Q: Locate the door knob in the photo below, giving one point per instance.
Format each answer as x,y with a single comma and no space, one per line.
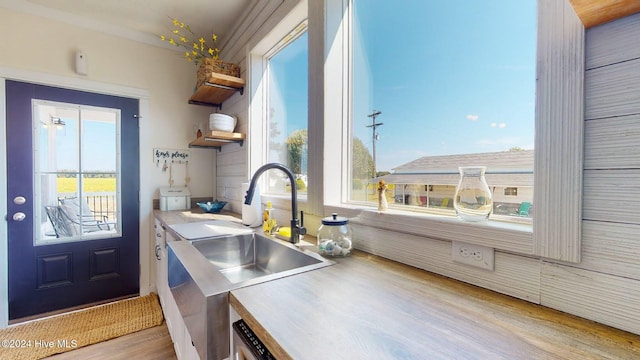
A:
19,216
19,200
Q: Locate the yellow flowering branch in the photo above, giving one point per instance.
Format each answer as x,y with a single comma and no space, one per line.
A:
196,50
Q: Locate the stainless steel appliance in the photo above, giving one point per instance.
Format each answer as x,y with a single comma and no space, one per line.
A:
246,344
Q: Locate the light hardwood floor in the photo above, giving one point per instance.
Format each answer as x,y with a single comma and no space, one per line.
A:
152,343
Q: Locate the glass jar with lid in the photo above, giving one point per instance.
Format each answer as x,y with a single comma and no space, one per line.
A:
334,236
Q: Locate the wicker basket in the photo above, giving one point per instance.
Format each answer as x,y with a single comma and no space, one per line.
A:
209,65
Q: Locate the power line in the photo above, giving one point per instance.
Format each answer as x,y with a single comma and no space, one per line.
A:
374,136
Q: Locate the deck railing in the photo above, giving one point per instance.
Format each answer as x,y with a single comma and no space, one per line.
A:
103,205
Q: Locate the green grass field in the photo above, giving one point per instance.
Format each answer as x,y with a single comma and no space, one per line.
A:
91,185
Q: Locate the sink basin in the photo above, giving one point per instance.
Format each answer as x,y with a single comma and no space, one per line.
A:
203,271
246,257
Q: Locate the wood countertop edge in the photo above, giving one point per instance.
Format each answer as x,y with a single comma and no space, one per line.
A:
268,340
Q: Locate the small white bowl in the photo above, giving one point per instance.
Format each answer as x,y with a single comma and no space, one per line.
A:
222,122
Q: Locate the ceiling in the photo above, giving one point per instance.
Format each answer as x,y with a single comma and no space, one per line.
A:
152,17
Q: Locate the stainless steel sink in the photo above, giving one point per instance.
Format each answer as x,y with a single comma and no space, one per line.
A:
246,257
202,272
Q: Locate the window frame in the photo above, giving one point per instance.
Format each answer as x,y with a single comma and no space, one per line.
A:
292,36
558,144
80,174
258,74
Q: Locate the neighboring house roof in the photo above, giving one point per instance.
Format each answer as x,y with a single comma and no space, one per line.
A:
507,168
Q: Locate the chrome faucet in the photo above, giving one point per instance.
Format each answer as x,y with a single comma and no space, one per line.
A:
296,228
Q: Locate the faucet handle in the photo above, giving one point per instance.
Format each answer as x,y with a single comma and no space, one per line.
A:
302,230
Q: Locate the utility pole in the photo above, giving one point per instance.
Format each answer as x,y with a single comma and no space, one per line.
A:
375,136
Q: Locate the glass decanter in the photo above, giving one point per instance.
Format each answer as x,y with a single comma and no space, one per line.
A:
473,200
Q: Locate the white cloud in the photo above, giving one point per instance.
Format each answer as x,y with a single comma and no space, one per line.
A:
494,124
501,142
502,125
472,117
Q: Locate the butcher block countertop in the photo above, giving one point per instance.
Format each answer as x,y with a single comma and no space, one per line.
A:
367,307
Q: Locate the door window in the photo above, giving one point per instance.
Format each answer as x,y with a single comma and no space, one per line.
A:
77,171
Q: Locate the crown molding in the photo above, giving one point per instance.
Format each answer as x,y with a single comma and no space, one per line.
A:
83,22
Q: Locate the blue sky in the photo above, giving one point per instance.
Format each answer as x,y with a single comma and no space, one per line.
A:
289,69
457,78
99,152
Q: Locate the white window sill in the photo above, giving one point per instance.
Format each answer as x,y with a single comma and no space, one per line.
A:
503,235
507,236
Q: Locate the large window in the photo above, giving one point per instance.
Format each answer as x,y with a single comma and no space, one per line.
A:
438,85
286,111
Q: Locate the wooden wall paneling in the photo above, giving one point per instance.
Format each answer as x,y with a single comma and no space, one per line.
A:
516,276
604,298
613,42
559,132
612,195
231,161
232,193
613,90
232,168
235,105
229,187
236,170
611,248
233,182
612,143
232,154
251,27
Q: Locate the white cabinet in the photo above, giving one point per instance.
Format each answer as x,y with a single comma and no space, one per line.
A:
189,350
161,260
179,335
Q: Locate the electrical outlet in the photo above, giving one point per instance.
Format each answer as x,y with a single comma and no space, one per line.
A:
474,255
